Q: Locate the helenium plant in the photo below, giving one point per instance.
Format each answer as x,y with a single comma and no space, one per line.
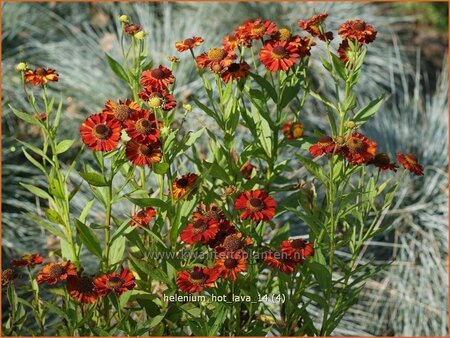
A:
209,251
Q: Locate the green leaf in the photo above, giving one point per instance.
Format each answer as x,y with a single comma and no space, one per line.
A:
160,168
368,111
24,116
339,67
63,146
266,85
85,211
117,68
149,202
33,161
88,238
313,168
321,274
94,179
193,137
36,191
53,216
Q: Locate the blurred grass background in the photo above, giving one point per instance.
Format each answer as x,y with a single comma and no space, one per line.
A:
408,60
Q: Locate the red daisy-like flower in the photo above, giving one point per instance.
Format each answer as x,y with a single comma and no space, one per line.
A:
358,149
113,282
202,230
292,130
357,30
302,44
158,78
282,35
256,205
383,162
132,28
187,44
233,242
158,99
344,51
256,29
143,218
235,71
314,26
297,249
143,154
53,273
121,110
325,145
8,276
280,261
410,163
231,42
276,55
247,170
82,289
216,58
40,76
230,265
101,132
196,280
28,260
142,127
183,187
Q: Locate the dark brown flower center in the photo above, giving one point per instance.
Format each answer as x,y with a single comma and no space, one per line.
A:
86,285
255,204
55,271
298,243
359,26
122,112
40,71
211,214
114,282
279,52
234,67
355,145
146,150
230,263
216,68
199,226
232,243
382,159
102,131
259,29
157,74
182,183
144,126
197,277
27,258
216,54
189,42
141,214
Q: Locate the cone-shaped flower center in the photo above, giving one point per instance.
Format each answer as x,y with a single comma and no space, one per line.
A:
279,52
182,183
355,145
234,67
255,204
382,159
55,271
189,42
114,282
157,74
155,101
141,214
199,226
40,71
411,159
216,54
284,34
197,277
85,285
359,26
232,243
211,214
144,126
298,243
259,29
122,112
102,131
230,263
146,150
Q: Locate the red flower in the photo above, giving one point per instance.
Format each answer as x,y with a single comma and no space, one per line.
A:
297,249
101,132
358,149
183,187
302,44
276,55
143,154
233,242
282,34
187,44
82,289
40,76
216,58
8,275
235,71
314,26
357,30
142,127
28,260
132,28
197,279
230,42
120,110
202,230
53,273
158,78
292,130
230,265
280,261
113,282
257,205
143,218
158,99
247,170
383,162
325,145
409,162
256,29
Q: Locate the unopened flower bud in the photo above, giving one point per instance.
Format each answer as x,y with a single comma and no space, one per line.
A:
247,170
187,107
165,131
124,18
339,140
21,67
173,59
140,35
350,124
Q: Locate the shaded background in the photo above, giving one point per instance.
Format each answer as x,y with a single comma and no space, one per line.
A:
408,60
